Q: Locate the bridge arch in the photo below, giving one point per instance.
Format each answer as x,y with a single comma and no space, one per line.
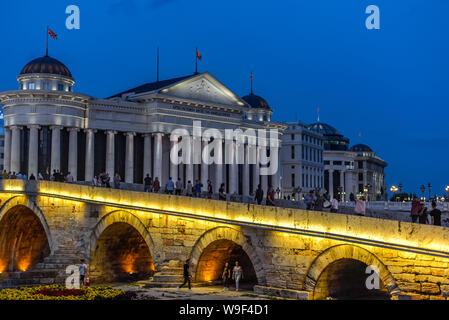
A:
120,248
25,237
218,245
345,261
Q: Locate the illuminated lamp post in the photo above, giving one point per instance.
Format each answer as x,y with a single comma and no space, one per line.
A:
394,189
422,190
430,188
447,190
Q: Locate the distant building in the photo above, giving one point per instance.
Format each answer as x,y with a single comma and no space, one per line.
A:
347,171
302,160
2,141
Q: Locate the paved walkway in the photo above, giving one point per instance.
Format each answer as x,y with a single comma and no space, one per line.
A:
197,293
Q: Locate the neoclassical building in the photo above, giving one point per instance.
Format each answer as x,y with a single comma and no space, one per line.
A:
50,127
357,170
302,160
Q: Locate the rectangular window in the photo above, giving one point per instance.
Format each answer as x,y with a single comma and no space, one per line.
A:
337,163
293,137
293,180
360,176
31,86
60,87
327,162
293,152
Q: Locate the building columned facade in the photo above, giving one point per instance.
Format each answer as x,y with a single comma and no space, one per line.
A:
302,160
50,127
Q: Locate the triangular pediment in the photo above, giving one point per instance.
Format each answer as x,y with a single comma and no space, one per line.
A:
203,88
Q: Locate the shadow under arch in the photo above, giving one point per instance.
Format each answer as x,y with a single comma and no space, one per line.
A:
343,264
25,237
120,249
224,244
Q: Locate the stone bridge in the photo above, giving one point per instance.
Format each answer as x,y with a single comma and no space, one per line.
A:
127,235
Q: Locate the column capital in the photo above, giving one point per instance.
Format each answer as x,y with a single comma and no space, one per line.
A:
147,135
158,134
56,127
34,126
73,129
16,127
110,132
90,130
129,134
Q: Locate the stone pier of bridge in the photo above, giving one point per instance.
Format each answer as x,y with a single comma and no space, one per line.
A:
123,235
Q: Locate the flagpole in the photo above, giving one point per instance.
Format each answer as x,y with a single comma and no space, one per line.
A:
46,51
196,61
157,64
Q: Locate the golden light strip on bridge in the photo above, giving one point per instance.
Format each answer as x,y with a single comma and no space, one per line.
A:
268,227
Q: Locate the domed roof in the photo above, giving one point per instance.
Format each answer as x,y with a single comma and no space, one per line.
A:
46,65
324,129
256,102
361,148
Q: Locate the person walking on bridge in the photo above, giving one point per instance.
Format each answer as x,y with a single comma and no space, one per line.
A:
360,206
415,209
156,185
187,275
237,275
435,214
259,194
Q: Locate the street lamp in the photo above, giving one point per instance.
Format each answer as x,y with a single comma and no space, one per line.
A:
422,190
430,188
447,190
400,187
394,189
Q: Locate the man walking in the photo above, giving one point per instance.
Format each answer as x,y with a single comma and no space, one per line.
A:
210,190
187,275
415,209
148,183
259,194
170,186
435,214
178,187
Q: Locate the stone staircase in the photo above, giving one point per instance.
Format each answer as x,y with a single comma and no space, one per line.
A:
170,276
50,271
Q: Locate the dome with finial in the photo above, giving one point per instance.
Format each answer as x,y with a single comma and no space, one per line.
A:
334,140
256,102
46,65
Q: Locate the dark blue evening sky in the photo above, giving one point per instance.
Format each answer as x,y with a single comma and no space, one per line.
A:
389,84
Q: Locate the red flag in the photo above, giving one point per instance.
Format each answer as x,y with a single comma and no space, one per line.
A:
198,55
52,34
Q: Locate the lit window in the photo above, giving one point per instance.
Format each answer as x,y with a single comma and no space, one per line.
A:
31,86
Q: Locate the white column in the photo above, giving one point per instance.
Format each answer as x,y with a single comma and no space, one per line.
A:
219,168
174,167
256,169
245,178
276,176
234,169
90,144
331,183
189,163
110,152
7,153
73,152
55,148
15,149
147,152
157,171
204,166
263,178
33,151
342,183
129,166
